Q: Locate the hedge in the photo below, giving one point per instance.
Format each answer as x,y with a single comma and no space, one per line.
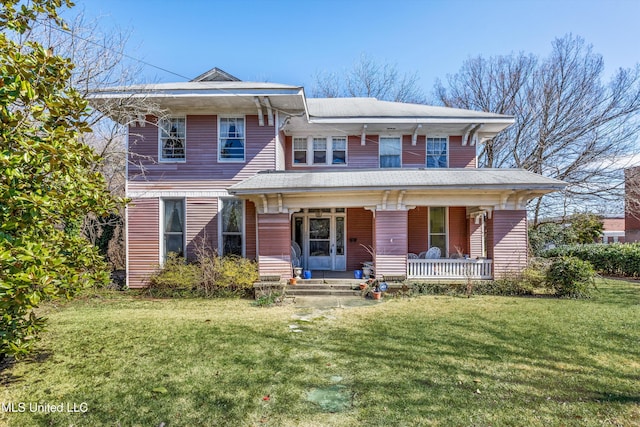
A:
616,259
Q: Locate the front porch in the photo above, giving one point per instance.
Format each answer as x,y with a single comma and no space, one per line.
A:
423,269
449,269
340,220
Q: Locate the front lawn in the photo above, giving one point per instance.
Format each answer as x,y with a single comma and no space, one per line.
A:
421,361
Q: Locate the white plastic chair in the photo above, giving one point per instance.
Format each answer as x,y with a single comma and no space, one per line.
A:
433,253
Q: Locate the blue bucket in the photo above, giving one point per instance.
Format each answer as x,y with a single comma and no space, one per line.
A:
357,274
307,274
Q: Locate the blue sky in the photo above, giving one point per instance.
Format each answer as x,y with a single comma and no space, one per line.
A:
291,41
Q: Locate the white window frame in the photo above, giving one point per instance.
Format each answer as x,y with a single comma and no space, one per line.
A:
242,232
160,125
313,150
310,150
333,150
426,149
306,150
446,229
380,138
163,220
244,144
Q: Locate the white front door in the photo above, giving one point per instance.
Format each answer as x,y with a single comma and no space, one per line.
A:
321,235
320,244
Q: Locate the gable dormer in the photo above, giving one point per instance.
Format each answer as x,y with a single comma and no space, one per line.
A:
216,75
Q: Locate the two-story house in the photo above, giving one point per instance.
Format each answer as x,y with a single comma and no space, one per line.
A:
262,171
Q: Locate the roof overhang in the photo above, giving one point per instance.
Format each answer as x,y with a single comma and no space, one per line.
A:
201,98
479,189
481,127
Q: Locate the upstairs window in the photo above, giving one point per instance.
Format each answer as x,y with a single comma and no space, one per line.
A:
319,150
300,151
436,152
173,139
390,152
339,150
231,137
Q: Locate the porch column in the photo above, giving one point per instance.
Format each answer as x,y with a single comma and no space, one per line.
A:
475,238
391,242
507,241
274,245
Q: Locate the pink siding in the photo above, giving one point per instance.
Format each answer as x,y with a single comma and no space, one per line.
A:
632,204
475,239
250,230
202,225
359,232
358,156
418,224
507,241
274,245
143,240
202,153
414,156
391,243
461,156
458,230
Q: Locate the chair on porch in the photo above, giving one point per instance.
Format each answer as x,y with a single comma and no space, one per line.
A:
296,260
412,256
433,253
296,255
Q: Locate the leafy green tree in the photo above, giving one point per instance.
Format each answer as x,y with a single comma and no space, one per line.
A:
586,227
49,180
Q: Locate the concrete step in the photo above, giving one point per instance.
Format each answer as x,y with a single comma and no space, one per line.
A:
344,286
322,292
329,282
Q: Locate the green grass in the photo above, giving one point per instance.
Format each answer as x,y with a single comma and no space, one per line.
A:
483,361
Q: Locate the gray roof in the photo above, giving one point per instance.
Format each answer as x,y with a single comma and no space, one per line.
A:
395,179
159,89
373,108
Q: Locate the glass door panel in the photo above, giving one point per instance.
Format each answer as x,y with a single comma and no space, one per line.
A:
340,258
320,243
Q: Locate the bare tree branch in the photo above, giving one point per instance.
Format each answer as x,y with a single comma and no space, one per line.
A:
368,78
569,124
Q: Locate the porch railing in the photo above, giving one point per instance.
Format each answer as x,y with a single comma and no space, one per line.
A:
479,269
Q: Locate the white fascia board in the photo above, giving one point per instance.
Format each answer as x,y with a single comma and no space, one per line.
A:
416,120
304,102
176,93
422,189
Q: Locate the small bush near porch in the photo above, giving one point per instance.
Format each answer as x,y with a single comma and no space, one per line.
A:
429,360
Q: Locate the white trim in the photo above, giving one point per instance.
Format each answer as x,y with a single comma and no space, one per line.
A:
426,148
162,221
244,154
411,120
175,194
243,231
126,208
305,215
446,229
280,147
310,151
400,137
127,258
159,127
